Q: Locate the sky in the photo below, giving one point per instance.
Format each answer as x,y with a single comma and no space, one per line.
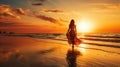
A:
53,16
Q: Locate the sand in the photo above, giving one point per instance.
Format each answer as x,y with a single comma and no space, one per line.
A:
33,52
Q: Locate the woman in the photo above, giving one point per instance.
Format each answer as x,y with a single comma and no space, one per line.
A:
72,34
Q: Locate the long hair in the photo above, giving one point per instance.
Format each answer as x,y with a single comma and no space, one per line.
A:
72,23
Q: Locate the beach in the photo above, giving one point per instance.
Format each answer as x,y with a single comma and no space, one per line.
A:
20,51
59,33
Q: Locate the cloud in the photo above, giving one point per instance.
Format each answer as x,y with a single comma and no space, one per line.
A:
4,5
7,12
110,6
63,20
102,1
20,11
52,11
41,0
37,4
106,6
50,19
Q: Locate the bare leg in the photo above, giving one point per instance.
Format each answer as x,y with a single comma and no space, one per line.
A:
72,46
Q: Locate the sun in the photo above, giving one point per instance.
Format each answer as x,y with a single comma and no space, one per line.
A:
84,26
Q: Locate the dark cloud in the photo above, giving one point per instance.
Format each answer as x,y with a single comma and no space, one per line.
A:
50,19
52,11
4,5
37,4
41,0
20,11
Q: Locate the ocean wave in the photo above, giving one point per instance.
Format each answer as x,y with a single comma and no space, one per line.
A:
104,40
100,50
105,45
103,36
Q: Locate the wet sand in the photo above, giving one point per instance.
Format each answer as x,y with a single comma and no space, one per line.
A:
33,52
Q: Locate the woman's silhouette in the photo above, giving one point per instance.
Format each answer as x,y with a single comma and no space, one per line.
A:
72,34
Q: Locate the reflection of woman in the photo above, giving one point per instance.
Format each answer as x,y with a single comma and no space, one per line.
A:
72,34
72,56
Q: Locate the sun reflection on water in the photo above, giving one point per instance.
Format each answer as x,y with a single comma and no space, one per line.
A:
82,48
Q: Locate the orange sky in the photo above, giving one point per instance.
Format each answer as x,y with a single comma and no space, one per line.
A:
47,16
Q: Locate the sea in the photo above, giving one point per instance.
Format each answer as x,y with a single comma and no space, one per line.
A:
107,42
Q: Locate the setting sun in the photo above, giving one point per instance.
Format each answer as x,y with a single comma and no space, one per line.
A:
84,26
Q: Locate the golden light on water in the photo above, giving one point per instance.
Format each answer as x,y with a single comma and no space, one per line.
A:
82,48
84,26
